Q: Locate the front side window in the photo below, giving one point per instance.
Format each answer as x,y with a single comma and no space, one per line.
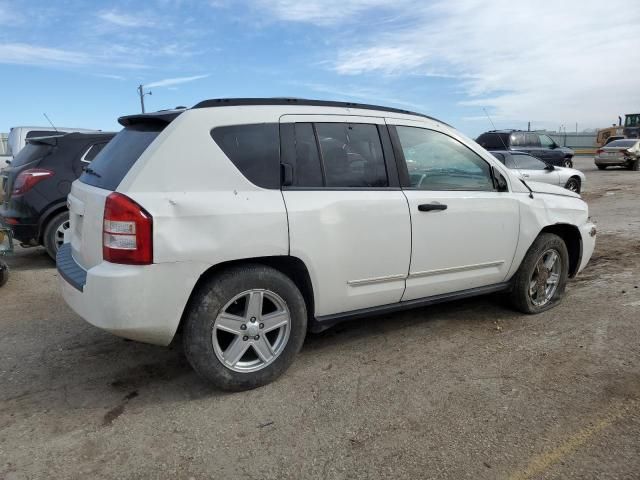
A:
352,155
527,162
546,142
436,161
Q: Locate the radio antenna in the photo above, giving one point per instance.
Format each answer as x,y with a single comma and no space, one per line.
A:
494,127
49,120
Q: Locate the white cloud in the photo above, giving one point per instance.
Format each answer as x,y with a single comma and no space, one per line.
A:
25,54
167,82
545,61
324,12
125,19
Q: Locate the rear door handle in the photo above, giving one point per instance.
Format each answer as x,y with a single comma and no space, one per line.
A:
428,207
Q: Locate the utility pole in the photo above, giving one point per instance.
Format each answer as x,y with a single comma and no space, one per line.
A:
529,127
142,93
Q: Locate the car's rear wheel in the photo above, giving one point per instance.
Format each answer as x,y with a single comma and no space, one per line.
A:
567,162
244,327
635,165
53,237
542,277
4,273
573,185
601,167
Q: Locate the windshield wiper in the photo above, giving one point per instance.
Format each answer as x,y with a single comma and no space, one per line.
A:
91,171
528,188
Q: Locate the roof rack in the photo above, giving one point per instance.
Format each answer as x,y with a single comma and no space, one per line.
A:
229,102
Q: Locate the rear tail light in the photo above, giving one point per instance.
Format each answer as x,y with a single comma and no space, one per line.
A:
28,179
127,235
599,151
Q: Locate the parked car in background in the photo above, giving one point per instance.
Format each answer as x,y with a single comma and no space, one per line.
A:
529,168
18,136
34,187
622,153
537,144
288,215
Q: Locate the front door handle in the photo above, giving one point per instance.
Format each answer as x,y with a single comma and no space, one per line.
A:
428,207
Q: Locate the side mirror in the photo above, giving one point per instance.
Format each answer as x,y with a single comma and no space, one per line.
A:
499,182
549,167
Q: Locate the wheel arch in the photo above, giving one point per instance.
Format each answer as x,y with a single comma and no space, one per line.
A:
46,217
570,234
291,266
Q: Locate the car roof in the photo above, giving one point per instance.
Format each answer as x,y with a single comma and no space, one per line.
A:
166,116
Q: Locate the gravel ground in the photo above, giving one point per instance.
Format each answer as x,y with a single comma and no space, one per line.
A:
463,390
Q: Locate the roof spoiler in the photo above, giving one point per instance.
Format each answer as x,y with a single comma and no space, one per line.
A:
53,140
160,119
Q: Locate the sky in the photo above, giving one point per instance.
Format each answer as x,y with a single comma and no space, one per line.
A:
550,63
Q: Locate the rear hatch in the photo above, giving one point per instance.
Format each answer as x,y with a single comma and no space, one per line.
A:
29,157
616,149
102,177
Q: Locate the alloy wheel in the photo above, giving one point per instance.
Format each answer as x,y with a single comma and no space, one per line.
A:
59,235
545,278
251,331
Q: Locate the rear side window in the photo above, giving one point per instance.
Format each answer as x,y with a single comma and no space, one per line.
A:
518,140
254,150
92,152
308,172
352,155
494,141
115,160
532,140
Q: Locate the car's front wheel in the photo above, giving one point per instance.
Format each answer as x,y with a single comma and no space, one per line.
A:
567,162
601,167
244,327
53,237
573,185
542,277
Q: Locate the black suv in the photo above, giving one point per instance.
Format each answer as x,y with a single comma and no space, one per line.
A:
536,144
35,185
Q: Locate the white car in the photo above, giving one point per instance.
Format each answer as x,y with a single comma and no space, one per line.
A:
245,223
531,168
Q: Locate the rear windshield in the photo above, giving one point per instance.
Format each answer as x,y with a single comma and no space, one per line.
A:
30,153
494,141
116,159
622,143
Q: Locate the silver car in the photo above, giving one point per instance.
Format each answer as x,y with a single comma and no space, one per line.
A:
534,169
622,153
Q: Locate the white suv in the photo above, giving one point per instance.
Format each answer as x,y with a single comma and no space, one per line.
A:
244,223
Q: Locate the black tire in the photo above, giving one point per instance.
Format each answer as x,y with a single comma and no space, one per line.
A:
52,238
209,300
4,273
567,162
573,184
635,165
601,167
520,296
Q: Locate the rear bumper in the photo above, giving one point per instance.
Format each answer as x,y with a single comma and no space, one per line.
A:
25,228
612,160
588,234
143,303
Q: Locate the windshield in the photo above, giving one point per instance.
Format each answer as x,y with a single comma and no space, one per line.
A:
622,143
116,159
31,153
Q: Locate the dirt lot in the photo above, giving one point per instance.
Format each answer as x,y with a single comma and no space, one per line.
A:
464,390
